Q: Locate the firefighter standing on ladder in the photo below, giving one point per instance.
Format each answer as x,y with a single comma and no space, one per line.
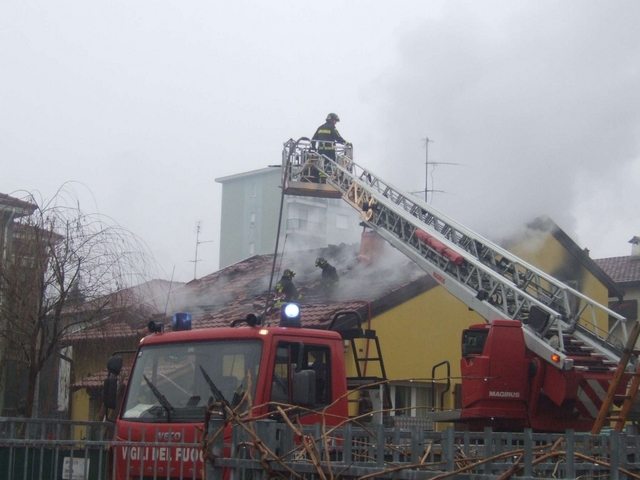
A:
326,137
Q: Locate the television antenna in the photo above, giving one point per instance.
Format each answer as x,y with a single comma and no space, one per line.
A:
198,243
426,167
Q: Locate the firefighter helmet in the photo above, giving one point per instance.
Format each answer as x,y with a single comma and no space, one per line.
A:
289,273
320,262
333,116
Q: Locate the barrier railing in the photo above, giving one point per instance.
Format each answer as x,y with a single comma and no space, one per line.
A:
52,449
269,449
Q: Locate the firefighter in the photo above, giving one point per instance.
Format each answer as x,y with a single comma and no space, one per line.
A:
285,289
327,136
330,277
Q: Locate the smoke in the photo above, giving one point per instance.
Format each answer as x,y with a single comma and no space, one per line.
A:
528,100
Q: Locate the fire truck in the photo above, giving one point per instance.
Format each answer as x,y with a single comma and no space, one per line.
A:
546,358
177,374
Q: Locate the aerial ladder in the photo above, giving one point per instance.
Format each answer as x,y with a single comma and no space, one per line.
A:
560,325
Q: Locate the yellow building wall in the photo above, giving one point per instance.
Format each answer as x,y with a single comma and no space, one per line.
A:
417,335
91,358
550,256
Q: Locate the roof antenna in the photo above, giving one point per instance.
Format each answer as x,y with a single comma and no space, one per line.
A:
198,242
166,305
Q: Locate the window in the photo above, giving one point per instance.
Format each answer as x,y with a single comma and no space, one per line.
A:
473,341
411,401
314,357
402,401
252,248
172,383
252,219
253,189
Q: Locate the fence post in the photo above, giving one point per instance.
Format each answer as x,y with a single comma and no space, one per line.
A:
614,455
570,454
347,445
488,449
448,448
528,452
380,447
415,444
216,449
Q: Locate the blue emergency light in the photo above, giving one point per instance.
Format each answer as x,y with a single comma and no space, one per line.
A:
290,315
181,321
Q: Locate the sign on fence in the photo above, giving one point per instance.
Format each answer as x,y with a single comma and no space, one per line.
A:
80,468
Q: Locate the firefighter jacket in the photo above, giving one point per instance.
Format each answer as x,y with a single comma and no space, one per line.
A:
325,137
286,290
330,276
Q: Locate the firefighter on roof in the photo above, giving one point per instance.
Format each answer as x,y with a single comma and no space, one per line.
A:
330,276
327,136
285,289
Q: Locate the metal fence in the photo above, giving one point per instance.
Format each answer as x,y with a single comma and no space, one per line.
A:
267,449
36,449
39,449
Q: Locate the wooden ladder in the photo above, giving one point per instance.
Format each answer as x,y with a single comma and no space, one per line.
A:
621,419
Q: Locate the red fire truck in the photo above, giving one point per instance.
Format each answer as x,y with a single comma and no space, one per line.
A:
175,376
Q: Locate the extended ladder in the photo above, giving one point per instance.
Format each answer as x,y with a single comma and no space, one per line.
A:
559,320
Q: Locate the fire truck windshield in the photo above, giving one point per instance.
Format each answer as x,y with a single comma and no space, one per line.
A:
171,383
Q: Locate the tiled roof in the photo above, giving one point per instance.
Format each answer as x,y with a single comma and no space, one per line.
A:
125,313
96,380
235,291
621,269
108,328
240,289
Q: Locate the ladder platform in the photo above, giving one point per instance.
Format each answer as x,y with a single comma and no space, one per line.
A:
309,189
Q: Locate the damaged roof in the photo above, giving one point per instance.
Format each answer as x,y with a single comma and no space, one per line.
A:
240,289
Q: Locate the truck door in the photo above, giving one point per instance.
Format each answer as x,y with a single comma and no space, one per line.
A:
301,375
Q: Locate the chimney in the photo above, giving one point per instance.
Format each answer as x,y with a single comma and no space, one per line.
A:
635,247
371,247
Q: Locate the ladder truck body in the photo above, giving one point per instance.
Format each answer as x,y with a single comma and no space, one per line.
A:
546,356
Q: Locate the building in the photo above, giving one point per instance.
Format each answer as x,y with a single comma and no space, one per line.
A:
11,209
11,389
251,210
625,272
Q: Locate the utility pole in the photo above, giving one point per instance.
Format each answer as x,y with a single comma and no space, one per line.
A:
198,242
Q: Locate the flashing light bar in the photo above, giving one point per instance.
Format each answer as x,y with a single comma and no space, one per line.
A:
181,321
290,316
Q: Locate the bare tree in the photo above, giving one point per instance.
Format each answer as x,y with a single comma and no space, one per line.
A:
64,274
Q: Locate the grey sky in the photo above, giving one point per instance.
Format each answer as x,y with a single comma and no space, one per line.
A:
146,103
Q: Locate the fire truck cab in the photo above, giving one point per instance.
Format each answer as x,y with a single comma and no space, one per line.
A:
177,375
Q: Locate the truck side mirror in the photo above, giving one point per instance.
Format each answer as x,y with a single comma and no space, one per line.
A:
304,388
114,365
110,392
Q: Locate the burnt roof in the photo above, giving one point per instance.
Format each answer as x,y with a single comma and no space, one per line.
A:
545,224
240,289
